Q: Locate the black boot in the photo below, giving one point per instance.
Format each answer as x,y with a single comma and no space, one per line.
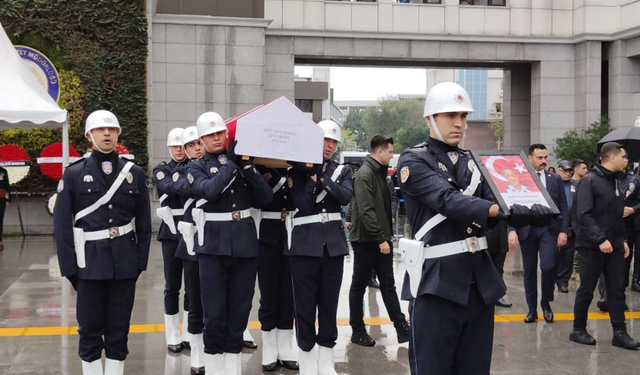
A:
403,331
622,339
362,338
531,317
635,284
581,336
373,283
602,305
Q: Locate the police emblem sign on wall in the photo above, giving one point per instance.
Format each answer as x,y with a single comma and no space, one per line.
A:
42,68
512,179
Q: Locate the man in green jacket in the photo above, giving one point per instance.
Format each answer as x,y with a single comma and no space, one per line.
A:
370,235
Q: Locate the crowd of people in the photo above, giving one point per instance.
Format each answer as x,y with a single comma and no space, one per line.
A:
227,221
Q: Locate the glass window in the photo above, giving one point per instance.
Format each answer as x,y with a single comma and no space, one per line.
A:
484,2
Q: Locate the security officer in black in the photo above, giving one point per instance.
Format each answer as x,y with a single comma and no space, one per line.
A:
598,212
274,275
227,245
452,296
171,212
103,243
317,249
185,251
4,199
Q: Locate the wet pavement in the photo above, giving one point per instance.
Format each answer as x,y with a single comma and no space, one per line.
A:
37,309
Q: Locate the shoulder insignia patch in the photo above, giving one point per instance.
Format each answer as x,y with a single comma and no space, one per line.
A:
222,159
442,167
160,175
190,178
290,182
175,177
404,174
60,186
129,177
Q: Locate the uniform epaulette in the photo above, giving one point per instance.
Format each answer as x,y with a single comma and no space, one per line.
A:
420,145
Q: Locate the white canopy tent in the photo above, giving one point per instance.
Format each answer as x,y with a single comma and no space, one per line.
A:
24,103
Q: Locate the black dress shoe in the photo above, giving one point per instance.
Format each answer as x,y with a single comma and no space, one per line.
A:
635,285
186,345
362,338
502,302
249,345
403,332
270,367
197,370
289,365
373,283
581,336
622,339
548,314
602,305
531,317
174,348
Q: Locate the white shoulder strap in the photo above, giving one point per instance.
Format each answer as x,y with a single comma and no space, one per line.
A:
187,203
439,218
201,202
279,184
107,197
163,197
334,177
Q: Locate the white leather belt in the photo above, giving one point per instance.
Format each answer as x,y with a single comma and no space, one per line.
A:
177,211
276,215
318,218
468,245
228,216
110,233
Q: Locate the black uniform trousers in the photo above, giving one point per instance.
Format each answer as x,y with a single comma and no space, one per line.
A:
172,279
103,311
498,259
227,285
453,339
276,291
316,285
367,257
591,263
632,239
540,241
192,286
636,255
3,206
564,261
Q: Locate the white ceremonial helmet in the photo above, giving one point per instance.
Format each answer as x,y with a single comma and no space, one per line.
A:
174,138
209,123
446,97
101,119
331,130
189,134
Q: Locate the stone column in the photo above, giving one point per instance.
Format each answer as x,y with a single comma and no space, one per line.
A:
624,80
516,96
588,83
279,66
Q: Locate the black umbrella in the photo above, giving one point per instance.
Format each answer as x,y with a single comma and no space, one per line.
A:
628,137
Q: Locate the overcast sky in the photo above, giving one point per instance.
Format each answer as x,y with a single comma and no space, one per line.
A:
372,83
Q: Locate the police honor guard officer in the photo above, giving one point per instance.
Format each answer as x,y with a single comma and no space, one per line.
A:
227,244
274,275
102,225
452,284
185,251
317,249
171,212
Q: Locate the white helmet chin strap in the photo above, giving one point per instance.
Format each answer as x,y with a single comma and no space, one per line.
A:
95,145
435,128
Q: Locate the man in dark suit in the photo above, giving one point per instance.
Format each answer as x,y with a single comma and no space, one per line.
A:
565,253
542,240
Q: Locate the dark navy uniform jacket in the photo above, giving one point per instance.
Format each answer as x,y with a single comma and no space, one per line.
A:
432,185
162,178
629,184
309,239
182,188
119,258
209,176
273,232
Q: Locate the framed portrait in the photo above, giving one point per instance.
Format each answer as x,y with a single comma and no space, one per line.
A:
512,179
